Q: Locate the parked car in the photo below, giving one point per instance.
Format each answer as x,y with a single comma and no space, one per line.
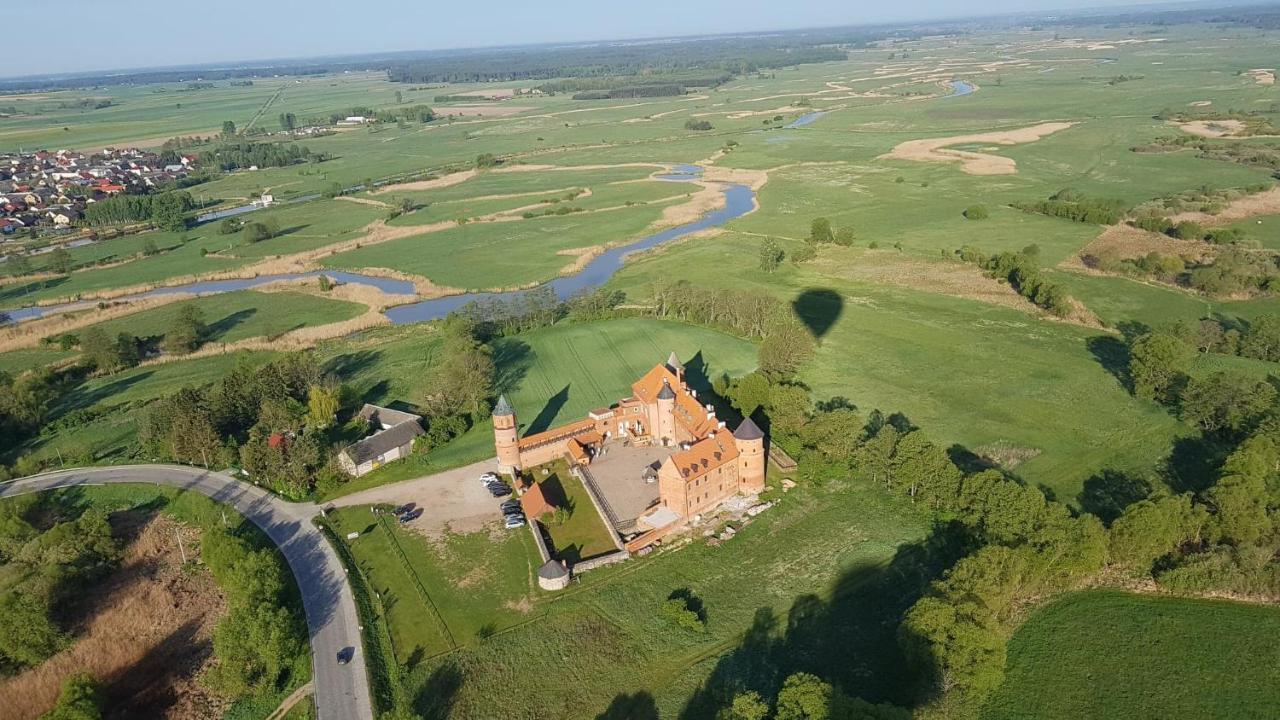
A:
406,508
498,489
490,477
411,516
510,505
514,522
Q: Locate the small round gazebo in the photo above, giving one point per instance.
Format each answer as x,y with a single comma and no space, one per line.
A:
553,575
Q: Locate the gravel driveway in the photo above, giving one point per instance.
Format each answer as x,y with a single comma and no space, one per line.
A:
451,501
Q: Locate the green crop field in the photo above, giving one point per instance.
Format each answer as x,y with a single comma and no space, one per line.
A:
1110,654
239,315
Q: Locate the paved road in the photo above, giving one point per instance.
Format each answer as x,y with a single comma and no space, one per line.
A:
342,691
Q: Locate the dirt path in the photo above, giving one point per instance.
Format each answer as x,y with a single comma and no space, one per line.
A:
294,698
974,163
440,182
363,201
1212,128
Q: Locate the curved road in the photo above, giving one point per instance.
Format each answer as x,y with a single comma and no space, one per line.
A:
342,691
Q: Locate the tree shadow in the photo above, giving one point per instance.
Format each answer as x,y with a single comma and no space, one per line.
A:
82,398
549,411
435,699
1112,354
512,359
221,327
19,290
353,363
637,706
818,309
1109,492
850,640
1193,463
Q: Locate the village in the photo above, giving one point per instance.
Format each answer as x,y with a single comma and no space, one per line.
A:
48,192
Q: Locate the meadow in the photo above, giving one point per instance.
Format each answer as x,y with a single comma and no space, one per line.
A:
1180,658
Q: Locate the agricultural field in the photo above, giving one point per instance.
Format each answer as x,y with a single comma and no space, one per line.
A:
1179,660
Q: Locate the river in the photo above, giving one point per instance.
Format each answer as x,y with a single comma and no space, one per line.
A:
739,200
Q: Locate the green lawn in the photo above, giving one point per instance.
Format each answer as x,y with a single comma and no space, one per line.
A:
444,593
583,534
1108,654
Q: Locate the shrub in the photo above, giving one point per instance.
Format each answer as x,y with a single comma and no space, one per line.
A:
976,212
676,610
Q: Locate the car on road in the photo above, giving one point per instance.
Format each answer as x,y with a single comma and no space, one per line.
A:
345,655
514,521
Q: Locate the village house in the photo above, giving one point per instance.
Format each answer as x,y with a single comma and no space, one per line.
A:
392,439
707,463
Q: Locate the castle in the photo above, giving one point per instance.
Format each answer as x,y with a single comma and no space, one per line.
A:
707,464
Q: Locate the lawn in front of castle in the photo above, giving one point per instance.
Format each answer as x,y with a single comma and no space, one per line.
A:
579,533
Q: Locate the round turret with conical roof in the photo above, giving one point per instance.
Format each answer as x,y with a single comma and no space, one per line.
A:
506,436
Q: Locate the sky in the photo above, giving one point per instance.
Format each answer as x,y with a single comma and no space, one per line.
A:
93,35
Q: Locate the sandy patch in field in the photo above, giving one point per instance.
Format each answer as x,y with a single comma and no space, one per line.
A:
1200,103
1212,128
1125,242
482,110
1266,202
440,182
363,201
552,168
1263,76
146,638
974,163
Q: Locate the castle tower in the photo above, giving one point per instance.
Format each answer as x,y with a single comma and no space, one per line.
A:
506,436
674,365
666,414
751,460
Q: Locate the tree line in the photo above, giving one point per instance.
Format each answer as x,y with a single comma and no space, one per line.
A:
1072,205
167,210
1022,272
236,155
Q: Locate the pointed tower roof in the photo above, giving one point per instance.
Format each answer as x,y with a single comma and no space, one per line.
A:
666,393
748,430
673,362
503,408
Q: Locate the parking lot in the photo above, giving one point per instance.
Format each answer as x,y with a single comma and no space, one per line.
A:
451,501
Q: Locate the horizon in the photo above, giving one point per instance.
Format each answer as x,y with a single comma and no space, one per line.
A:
669,20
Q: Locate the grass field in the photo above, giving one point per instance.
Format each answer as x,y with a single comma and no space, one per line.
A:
239,315
809,584
1110,654
439,595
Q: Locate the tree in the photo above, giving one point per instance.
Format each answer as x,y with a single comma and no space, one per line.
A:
80,699
1157,363
787,345
1226,401
27,635
1150,529
19,264
463,381
749,393
254,646
288,121
1262,339
60,261
100,350
228,128
322,407
187,331
745,706
804,697
255,232
676,610
820,231
771,255
844,237
230,226
399,97
805,253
